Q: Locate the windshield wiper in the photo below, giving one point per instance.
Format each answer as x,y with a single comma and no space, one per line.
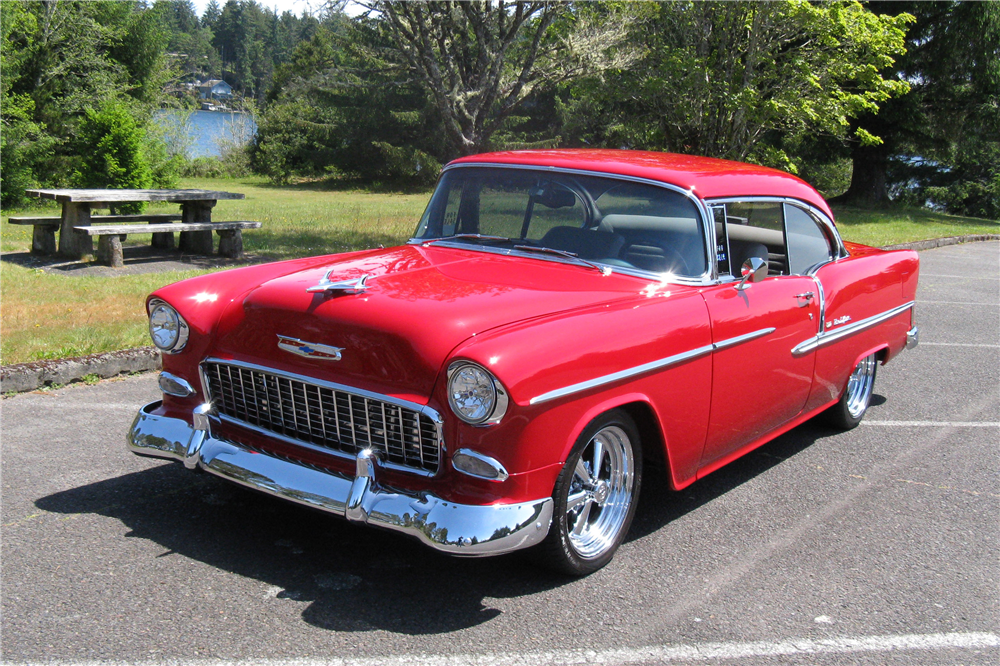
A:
478,237
605,270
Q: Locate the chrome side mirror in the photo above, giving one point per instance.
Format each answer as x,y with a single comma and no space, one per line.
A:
754,270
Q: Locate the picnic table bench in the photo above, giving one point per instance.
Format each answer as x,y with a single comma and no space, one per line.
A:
77,227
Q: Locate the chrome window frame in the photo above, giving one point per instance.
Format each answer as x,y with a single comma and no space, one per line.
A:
424,410
710,276
824,219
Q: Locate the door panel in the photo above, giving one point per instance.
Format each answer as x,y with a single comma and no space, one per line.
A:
757,385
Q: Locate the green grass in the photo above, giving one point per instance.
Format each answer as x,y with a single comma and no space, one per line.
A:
891,226
296,220
45,315
56,316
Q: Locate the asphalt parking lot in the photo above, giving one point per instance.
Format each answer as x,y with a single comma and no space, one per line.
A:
874,546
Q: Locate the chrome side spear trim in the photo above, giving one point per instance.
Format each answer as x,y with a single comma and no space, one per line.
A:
652,365
832,335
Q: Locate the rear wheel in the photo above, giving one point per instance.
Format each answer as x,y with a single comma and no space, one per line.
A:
595,496
853,404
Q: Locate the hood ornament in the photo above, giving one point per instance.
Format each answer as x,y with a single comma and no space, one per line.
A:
309,349
347,286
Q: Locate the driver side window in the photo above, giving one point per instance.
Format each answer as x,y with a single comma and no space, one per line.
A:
789,238
746,229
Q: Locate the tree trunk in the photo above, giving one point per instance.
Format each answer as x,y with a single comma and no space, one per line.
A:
868,178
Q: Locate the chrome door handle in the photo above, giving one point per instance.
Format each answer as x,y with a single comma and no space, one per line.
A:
804,298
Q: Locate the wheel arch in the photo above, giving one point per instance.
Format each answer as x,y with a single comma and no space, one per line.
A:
881,352
639,408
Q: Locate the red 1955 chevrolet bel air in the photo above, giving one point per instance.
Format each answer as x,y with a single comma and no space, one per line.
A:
558,317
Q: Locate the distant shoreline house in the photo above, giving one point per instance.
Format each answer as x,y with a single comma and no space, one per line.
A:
215,89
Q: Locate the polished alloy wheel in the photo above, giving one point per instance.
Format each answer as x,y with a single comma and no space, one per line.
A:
600,492
859,386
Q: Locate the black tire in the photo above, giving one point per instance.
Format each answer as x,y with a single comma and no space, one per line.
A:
605,502
857,395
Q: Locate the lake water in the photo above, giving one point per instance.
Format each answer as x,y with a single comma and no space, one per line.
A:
206,133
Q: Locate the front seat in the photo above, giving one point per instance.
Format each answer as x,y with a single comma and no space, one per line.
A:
740,251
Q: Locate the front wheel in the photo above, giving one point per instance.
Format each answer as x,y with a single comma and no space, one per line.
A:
853,404
595,496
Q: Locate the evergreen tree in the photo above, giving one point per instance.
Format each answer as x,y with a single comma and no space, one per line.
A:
941,141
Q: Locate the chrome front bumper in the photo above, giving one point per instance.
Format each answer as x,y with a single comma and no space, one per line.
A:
458,529
912,337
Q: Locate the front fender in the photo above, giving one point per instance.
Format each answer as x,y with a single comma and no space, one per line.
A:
564,370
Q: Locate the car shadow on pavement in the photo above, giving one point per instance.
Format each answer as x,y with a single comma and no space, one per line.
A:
357,578
352,578
660,506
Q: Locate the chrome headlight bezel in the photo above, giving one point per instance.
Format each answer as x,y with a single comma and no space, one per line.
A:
161,312
499,399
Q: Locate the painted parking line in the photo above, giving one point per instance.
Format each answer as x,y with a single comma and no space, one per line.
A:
958,344
98,406
976,303
699,652
940,424
959,277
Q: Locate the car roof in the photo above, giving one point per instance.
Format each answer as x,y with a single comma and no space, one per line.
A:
707,177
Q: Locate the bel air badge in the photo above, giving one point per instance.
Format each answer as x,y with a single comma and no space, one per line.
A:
309,349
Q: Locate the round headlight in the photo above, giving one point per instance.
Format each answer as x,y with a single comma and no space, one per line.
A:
475,395
167,328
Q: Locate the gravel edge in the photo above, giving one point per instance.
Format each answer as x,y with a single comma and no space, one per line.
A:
39,374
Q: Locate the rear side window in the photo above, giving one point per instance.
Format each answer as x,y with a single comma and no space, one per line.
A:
808,246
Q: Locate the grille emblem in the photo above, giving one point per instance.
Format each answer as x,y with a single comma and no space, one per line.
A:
309,349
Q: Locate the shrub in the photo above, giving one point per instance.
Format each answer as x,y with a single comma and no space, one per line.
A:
117,152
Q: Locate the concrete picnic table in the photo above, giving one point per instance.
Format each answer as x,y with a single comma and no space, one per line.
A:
76,232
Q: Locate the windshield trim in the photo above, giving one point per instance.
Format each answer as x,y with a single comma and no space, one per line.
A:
660,278
708,230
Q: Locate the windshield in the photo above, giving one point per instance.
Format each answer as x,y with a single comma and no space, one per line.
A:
603,220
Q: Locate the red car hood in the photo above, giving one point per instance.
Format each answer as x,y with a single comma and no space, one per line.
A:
420,303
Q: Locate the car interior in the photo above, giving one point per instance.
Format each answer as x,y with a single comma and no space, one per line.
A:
619,223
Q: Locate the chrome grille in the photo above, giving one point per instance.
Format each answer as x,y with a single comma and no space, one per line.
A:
325,417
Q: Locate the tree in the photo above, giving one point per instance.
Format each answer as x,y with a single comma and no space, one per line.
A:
23,142
942,140
112,141
211,15
480,61
59,58
721,78
339,108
